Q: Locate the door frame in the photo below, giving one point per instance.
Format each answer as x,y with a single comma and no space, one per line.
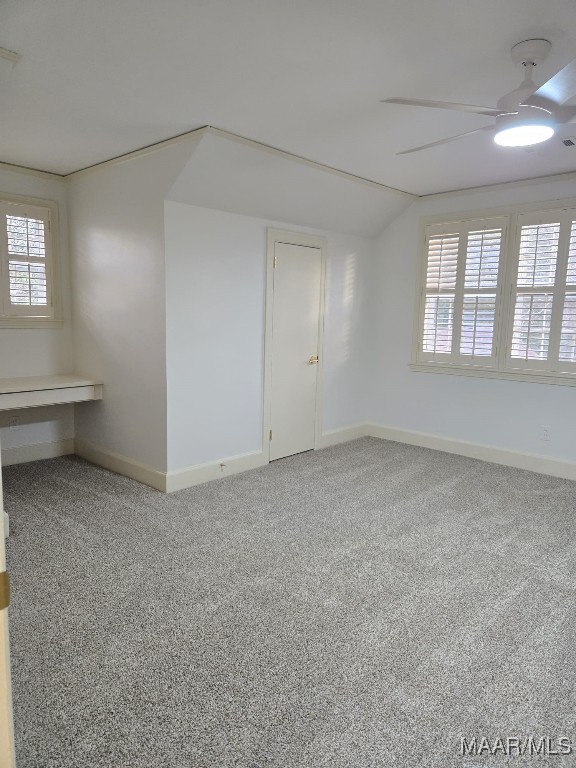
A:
311,241
7,756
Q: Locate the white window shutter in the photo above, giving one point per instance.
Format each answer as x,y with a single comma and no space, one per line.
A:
26,261
567,348
544,318
441,268
463,276
480,290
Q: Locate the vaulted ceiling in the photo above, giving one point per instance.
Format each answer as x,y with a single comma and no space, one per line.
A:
98,79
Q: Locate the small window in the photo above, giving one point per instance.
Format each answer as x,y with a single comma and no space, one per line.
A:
28,293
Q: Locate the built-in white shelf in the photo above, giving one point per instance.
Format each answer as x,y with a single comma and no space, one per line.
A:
33,391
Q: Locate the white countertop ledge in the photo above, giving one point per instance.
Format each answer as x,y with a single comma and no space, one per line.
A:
33,391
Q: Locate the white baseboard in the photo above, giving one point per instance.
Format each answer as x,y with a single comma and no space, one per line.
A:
342,435
37,451
530,461
171,481
202,473
122,465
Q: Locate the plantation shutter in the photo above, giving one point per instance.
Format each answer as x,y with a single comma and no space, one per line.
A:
440,293
459,310
26,266
544,313
567,347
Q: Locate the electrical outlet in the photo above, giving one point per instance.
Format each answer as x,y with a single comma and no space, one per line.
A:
13,423
545,435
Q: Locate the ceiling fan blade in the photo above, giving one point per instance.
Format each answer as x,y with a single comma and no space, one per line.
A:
443,105
447,141
560,87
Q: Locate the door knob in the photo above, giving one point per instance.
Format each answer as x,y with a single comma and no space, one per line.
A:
313,360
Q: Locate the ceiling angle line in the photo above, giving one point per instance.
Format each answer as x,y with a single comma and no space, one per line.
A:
141,151
207,129
306,160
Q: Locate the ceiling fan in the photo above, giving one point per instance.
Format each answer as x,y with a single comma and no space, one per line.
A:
527,115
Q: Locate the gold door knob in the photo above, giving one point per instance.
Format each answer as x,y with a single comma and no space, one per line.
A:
313,360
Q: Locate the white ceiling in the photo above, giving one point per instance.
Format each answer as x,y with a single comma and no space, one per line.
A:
99,79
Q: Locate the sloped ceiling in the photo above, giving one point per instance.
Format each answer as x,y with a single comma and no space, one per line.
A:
240,177
99,79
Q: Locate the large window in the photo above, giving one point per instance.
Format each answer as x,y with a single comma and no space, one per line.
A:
28,294
498,296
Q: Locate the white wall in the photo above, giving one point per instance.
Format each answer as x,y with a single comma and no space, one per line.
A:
40,433
38,351
168,310
215,298
169,313
505,414
117,242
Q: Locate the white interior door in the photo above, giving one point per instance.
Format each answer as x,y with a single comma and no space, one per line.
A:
7,759
295,348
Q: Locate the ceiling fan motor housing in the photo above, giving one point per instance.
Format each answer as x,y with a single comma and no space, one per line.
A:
531,51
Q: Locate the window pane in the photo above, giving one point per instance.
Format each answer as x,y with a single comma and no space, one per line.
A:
27,284
442,262
568,335
538,251
438,324
478,325
531,334
571,273
25,237
482,259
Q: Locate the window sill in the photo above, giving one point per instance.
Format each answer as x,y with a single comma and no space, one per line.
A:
30,322
562,379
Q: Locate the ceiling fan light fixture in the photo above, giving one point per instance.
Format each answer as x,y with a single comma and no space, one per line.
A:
523,135
528,126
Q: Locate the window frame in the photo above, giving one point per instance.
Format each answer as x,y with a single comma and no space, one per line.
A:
18,318
504,366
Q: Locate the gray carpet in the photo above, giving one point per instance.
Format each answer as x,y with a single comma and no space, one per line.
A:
366,605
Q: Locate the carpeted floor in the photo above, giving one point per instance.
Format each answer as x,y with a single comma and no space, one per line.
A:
365,605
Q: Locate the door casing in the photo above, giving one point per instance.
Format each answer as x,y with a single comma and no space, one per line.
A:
313,241
7,757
